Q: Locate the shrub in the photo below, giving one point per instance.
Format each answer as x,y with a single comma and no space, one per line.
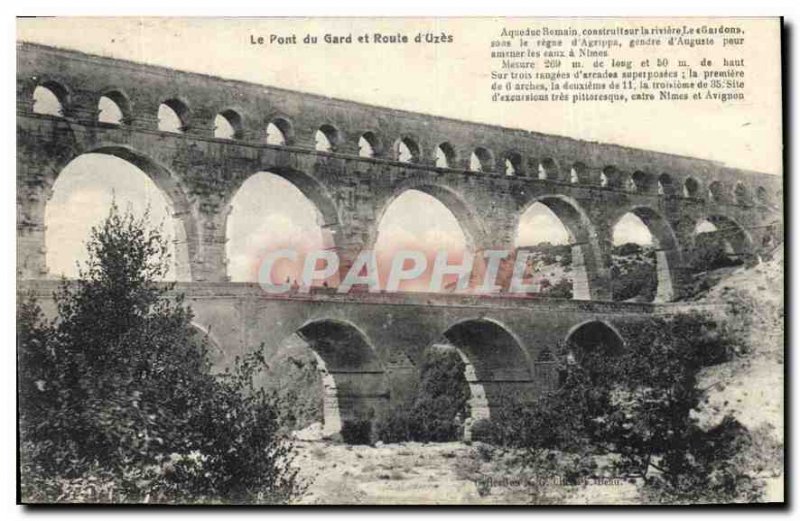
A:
637,405
438,408
117,394
710,253
357,432
293,379
635,279
561,289
628,249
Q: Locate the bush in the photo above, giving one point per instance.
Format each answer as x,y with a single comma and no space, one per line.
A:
639,279
483,429
436,412
561,289
117,400
636,405
628,249
709,253
293,379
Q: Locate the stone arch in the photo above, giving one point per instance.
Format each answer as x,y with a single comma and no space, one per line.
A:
496,364
665,185
181,110
369,144
741,195
280,131
626,182
468,219
579,174
548,169
55,89
357,387
444,155
216,354
585,248
716,192
734,233
762,196
313,190
592,334
123,103
610,177
233,120
642,182
406,150
513,164
667,250
327,138
481,160
691,188
185,221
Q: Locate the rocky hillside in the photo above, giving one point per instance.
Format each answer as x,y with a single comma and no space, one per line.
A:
750,303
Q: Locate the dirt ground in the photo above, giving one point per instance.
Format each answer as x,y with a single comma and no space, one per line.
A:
433,473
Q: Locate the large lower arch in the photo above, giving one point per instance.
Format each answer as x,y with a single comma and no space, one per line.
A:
594,334
667,251
589,343
583,238
354,381
325,218
467,218
184,223
735,234
497,368
215,353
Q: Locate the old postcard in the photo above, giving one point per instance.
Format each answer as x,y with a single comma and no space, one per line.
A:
364,261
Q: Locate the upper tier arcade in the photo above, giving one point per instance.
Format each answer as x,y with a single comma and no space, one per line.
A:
353,159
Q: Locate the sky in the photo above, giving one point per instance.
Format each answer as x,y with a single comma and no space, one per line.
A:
447,79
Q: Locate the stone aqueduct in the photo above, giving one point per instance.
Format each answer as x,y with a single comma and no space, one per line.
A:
365,340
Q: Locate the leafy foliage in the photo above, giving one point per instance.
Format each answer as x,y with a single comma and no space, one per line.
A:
710,253
117,401
561,289
438,408
293,379
633,273
637,405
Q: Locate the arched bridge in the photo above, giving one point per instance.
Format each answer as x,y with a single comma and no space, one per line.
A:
352,160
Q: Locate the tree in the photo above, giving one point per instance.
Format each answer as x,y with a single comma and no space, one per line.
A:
119,388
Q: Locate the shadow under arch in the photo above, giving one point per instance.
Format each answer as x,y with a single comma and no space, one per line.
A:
180,208
586,254
496,366
595,333
467,218
733,233
216,355
667,250
354,381
592,338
